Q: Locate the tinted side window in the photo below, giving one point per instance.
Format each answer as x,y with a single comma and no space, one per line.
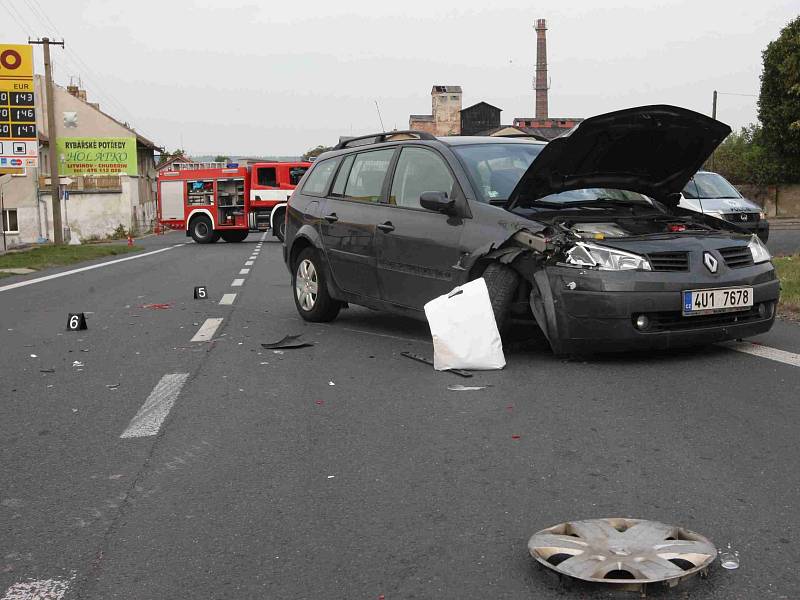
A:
419,170
267,177
341,177
365,181
320,176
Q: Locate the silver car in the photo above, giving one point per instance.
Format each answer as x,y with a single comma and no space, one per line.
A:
711,194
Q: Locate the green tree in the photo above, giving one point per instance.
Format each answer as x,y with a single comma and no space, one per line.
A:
743,158
779,101
314,152
220,158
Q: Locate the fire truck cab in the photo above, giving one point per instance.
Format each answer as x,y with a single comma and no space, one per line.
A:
213,200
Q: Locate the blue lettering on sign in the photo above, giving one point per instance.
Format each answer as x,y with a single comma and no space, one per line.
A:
687,301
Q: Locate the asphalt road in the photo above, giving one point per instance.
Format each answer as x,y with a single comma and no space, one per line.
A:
784,241
345,470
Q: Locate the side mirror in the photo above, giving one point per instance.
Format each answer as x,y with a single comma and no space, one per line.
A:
437,202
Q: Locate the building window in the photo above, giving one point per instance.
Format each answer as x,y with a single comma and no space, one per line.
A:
10,224
454,98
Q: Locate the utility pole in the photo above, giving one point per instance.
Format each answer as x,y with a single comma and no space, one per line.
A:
58,231
713,116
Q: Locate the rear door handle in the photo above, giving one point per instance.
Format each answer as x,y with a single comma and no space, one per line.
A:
331,218
387,227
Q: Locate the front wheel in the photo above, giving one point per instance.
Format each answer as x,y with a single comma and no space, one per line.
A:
502,282
311,296
202,231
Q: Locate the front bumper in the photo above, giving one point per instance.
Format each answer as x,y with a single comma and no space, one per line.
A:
760,228
599,314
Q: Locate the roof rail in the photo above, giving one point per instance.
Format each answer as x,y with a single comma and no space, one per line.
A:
385,136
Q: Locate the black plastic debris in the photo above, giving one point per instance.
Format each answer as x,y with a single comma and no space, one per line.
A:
429,361
47,370
289,342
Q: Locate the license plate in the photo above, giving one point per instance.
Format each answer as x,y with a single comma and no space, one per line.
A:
703,302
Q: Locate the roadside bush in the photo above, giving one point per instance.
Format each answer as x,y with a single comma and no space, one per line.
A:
120,233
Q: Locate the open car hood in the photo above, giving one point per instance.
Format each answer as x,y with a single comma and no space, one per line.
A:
653,150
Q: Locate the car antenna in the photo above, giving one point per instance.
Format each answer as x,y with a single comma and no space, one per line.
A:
378,108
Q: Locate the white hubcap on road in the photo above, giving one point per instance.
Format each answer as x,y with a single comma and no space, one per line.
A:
306,285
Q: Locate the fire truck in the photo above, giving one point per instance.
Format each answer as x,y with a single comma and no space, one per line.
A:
210,201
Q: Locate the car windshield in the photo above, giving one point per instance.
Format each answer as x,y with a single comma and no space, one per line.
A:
710,185
592,196
495,169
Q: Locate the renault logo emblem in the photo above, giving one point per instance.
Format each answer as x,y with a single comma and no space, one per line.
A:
710,262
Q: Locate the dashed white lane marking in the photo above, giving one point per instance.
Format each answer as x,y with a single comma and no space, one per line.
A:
157,406
237,283
207,330
20,284
227,299
37,589
253,257
781,356
248,263
244,271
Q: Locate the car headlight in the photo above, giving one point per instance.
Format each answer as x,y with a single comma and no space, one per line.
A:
583,254
758,250
762,215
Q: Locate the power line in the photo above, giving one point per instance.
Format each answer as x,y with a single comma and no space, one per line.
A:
20,21
71,57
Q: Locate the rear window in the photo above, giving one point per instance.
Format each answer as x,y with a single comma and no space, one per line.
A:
495,169
320,176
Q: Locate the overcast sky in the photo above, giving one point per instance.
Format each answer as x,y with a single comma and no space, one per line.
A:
237,77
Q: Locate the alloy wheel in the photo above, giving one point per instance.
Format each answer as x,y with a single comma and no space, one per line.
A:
306,285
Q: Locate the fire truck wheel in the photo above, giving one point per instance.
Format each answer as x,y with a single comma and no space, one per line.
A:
234,236
311,296
202,232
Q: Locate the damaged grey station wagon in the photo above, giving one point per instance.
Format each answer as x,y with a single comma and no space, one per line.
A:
583,235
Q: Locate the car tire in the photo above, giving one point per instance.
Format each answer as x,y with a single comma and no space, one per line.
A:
234,236
308,274
502,282
202,231
279,231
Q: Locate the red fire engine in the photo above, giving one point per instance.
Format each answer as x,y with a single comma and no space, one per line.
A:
211,200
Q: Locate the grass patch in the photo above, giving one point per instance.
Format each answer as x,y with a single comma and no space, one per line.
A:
42,257
788,268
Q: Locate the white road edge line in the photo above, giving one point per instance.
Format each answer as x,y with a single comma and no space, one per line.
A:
207,330
244,271
20,284
157,406
781,356
237,283
227,299
248,263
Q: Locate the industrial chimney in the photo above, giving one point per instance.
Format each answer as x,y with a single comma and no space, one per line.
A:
540,84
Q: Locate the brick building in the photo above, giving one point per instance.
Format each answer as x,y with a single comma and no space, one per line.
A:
445,117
